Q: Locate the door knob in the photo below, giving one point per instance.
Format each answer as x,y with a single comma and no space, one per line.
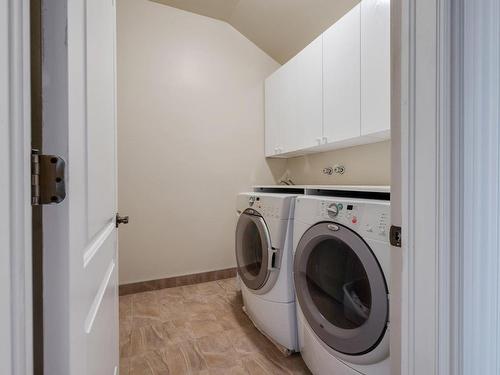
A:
121,220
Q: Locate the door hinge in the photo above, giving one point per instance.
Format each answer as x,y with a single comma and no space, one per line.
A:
395,236
47,179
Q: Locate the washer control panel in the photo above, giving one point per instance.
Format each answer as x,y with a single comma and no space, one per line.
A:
371,220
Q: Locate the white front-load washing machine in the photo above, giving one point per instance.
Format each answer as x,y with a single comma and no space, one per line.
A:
341,274
264,258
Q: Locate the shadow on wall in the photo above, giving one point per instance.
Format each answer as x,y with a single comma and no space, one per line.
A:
364,165
277,167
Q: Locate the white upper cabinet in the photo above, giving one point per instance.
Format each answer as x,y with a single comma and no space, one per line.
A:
375,67
274,106
288,113
308,105
293,95
336,92
342,78
280,113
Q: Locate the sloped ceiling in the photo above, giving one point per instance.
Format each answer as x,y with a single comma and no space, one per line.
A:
279,27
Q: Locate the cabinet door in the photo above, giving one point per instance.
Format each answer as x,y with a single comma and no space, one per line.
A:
288,120
294,118
307,101
278,107
341,78
273,107
375,67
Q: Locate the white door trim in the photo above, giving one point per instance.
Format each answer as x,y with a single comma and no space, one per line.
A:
450,152
478,119
16,350
426,185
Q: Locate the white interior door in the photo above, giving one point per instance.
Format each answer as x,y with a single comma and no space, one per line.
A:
80,241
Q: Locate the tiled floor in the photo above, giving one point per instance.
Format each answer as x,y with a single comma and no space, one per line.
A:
196,329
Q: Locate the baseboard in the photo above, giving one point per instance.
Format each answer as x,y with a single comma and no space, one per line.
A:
170,282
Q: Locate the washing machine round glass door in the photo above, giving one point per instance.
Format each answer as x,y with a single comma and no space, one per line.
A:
341,288
253,245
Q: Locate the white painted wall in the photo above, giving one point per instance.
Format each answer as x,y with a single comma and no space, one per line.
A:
365,165
190,137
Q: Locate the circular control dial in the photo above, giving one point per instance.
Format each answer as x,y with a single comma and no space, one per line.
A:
333,210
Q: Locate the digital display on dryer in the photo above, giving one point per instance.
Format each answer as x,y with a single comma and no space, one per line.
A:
349,207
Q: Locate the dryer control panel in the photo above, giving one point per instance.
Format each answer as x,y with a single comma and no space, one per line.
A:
270,206
267,209
369,219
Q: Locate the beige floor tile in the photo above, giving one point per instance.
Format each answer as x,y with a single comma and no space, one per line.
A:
201,328
190,293
218,352
177,363
125,326
151,363
145,309
196,330
234,298
294,364
251,341
212,287
170,295
193,360
124,366
172,310
148,338
197,306
234,319
229,284
125,306
178,330
254,367
236,370
260,363
125,346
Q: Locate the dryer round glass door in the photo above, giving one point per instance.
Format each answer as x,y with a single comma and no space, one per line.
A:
341,288
252,249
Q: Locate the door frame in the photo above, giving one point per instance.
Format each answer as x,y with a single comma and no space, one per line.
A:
16,346
437,346
446,90
421,121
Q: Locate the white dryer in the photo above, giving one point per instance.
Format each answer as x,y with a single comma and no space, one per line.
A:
264,259
341,273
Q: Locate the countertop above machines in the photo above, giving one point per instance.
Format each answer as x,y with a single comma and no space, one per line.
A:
381,192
